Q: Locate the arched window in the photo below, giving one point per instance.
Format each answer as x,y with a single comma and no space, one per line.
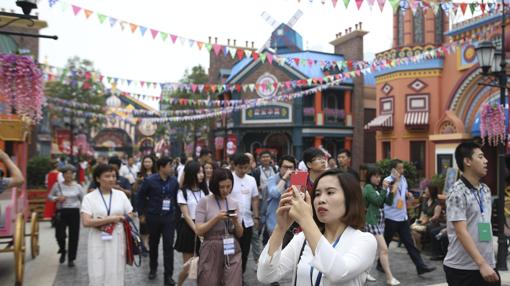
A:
438,26
400,27
418,35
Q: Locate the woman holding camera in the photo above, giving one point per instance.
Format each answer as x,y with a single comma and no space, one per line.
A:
331,249
192,191
68,196
217,220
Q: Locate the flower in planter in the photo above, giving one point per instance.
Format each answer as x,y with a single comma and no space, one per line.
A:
21,83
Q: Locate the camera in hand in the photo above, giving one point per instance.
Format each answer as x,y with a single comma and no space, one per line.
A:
231,212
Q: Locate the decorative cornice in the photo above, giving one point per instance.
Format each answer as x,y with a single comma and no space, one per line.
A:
449,137
408,74
404,52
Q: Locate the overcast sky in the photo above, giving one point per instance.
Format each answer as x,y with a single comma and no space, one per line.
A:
126,55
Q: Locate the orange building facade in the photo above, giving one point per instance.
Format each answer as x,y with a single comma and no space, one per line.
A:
425,109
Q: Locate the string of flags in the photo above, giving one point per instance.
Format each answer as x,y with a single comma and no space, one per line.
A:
353,69
240,53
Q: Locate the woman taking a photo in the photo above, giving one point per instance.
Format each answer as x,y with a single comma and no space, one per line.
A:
103,211
192,191
375,197
68,196
331,248
217,220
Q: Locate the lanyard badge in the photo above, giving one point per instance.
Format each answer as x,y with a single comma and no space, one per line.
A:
484,228
166,205
229,247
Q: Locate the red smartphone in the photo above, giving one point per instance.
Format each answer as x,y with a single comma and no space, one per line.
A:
299,179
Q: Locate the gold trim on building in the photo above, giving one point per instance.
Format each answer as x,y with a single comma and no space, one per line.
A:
449,137
38,24
408,74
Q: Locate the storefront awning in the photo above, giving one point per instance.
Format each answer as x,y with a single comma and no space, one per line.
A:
416,120
381,122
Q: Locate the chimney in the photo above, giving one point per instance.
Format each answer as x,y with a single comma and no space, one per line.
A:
209,39
215,40
247,44
360,25
339,34
228,42
346,31
252,44
234,42
356,26
350,29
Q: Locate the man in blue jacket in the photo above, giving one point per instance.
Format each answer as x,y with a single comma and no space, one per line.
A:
158,203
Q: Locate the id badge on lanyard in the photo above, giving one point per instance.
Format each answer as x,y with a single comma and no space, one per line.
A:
166,205
106,236
229,246
484,228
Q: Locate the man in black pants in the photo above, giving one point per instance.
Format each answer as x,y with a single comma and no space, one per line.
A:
396,217
158,203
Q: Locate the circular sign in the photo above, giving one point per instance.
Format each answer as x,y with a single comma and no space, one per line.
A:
147,128
266,85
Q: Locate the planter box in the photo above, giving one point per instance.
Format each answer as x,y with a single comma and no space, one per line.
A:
13,129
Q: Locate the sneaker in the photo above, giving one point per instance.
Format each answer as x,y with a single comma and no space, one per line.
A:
393,282
371,278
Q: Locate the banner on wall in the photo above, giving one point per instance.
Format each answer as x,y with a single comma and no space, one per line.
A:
231,144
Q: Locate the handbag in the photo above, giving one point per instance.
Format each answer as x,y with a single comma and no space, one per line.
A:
133,242
193,263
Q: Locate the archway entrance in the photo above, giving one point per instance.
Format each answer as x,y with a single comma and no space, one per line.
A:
111,141
278,141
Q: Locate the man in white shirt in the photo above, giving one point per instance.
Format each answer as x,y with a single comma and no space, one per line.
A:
130,170
246,194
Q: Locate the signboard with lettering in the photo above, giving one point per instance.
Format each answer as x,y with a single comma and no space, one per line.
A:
273,113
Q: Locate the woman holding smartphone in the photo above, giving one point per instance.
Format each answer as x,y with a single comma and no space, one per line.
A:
217,220
331,249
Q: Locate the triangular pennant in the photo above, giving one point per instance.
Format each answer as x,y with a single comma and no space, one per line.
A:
163,35
200,45
88,13
247,53
472,7
112,21
154,33
395,4
208,46
217,49
142,30
255,55
346,3
358,3
482,7
232,52
133,27
270,58
463,7
182,40
381,4
76,9
173,37
370,3
101,17
262,57
334,3
191,43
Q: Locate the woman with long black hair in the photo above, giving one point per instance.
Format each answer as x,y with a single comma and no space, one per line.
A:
193,189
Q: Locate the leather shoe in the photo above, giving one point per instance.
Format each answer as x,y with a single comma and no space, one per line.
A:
152,275
169,281
70,263
425,269
62,257
437,258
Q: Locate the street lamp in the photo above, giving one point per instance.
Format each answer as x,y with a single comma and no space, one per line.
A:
493,64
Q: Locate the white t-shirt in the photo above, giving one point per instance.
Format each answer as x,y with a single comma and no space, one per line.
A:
129,173
192,202
243,191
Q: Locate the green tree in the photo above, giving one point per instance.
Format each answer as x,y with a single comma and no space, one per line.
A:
409,172
78,82
190,130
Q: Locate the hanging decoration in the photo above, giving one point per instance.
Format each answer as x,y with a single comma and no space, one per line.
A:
21,83
492,124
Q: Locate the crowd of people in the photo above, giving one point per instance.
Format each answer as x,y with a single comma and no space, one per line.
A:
330,229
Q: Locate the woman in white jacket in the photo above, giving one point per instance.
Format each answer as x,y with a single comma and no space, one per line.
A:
331,249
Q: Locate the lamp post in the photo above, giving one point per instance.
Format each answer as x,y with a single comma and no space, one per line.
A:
493,63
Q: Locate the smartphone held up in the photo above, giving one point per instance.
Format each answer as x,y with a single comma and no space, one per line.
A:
299,179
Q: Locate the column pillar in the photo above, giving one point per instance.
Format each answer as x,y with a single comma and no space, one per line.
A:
347,107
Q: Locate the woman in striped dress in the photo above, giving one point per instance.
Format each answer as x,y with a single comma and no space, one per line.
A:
375,197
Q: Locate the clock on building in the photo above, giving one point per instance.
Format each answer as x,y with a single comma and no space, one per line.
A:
147,128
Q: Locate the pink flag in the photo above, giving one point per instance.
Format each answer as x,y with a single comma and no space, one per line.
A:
76,10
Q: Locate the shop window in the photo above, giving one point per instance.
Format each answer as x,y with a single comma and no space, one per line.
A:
333,107
439,27
308,109
386,150
386,105
418,157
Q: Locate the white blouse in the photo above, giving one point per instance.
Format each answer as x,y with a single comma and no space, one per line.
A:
192,202
346,264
